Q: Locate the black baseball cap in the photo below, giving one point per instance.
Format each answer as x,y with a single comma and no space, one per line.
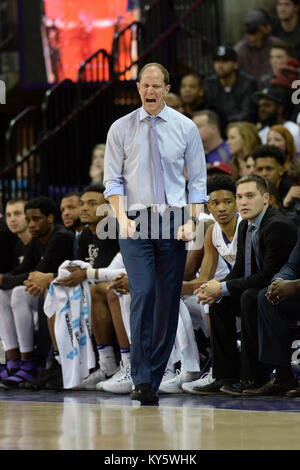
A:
271,94
255,18
225,53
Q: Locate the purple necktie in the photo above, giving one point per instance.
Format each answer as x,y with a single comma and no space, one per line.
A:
248,250
160,197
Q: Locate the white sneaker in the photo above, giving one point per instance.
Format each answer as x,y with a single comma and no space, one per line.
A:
174,385
120,383
103,373
168,375
118,374
109,368
189,376
205,379
90,381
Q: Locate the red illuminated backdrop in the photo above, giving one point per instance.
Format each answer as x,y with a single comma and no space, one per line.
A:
73,30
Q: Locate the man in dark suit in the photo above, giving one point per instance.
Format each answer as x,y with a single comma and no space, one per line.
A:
262,250
278,306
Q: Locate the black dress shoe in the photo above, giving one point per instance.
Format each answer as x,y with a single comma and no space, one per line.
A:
145,394
272,388
238,388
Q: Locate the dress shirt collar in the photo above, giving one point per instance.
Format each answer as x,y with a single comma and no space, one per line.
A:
163,113
258,220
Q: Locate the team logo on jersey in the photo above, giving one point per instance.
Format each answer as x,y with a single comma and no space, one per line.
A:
93,252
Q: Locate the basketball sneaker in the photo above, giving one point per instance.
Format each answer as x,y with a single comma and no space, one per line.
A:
205,379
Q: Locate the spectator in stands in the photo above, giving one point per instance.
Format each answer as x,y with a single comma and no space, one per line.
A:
215,148
249,165
278,307
253,51
269,163
271,111
282,138
280,53
291,201
191,93
259,256
97,164
219,168
283,80
287,26
51,244
229,88
242,138
274,197
175,102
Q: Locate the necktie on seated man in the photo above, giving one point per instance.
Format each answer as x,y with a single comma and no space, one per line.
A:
160,197
248,250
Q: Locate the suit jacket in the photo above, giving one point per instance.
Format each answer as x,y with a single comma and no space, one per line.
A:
277,238
291,270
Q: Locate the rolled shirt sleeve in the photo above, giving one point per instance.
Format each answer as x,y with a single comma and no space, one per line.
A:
196,167
113,164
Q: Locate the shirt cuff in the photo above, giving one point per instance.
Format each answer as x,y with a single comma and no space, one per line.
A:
114,189
197,198
276,277
225,291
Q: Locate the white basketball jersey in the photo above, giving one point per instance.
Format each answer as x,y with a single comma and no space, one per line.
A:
227,250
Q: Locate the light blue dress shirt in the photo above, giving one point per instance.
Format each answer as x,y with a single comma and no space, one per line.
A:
128,164
255,237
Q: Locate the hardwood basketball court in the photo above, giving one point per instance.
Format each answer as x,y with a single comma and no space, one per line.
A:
101,421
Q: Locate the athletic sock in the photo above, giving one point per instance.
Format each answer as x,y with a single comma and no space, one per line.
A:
13,364
106,353
125,355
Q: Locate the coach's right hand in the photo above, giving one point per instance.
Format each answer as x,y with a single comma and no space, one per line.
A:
127,227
